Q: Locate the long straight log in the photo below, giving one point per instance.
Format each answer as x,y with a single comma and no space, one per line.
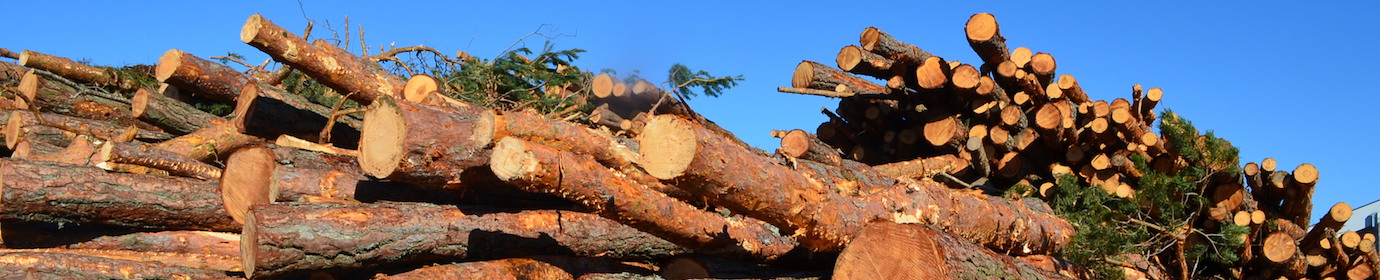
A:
180,241
268,114
879,42
153,157
885,250
101,129
286,239
168,113
539,168
565,136
706,164
410,142
196,261
854,59
208,144
61,193
340,71
803,145
209,79
51,265
513,268
77,71
815,75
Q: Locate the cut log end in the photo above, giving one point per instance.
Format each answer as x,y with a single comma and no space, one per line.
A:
249,242
28,86
795,143
1279,247
849,57
140,102
870,37
244,106
251,28
14,129
419,87
981,27
381,141
885,250
933,73
1306,173
511,160
668,145
247,181
804,74
603,85
168,64
1339,213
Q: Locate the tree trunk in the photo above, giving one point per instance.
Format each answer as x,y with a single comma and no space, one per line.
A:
856,60
182,241
285,239
410,142
876,41
544,169
728,175
815,75
101,129
803,145
209,79
514,268
61,193
208,144
169,114
153,157
71,69
269,114
923,167
984,36
565,136
340,71
885,250
196,261
52,265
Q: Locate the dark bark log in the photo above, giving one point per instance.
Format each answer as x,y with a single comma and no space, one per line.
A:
544,169
410,142
856,60
100,129
61,193
815,75
340,71
268,114
49,265
169,114
284,239
885,250
876,41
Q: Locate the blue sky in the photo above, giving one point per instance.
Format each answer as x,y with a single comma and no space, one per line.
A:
1279,79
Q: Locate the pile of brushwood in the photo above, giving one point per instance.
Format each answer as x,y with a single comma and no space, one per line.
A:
409,163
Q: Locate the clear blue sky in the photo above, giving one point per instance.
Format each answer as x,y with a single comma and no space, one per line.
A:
1289,80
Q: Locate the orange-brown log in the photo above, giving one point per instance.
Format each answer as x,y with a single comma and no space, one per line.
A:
945,132
511,268
1298,202
343,72
854,59
195,261
1058,265
815,75
932,73
1043,65
705,267
208,79
538,168
54,265
77,71
803,145
1072,90
153,157
410,142
267,114
1326,227
208,144
876,41
1145,108
178,241
169,114
726,174
966,78
984,35
565,136
886,250
923,167
294,238
1283,254
91,195
76,125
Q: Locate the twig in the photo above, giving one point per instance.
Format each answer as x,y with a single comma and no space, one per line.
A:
363,47
82,89
236,60
325,134
524,38
810,91
394,52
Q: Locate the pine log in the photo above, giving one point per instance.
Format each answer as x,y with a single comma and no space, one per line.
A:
707,164
933,73
286,239
1042,66
209,79
1070,87
1298,202
1326,227
62,193
923,167
196,261
1282,254
410,142
984,36
153,157
512,268
544,169
52,265
77,125
208,144
169,114
854,59
77,71
59,97
803,145
885,250
815,75
343,72
565,136
876,41
704,267
268,115
8,54
185,242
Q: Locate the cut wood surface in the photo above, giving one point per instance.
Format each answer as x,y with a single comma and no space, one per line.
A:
854,59
803,145
410,142
566,137
879,42
285,239
545,169
885,250
208,79
513,268
52,265
90,195
984,36
340,71
815,75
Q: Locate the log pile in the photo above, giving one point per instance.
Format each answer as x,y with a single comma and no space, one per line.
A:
108,177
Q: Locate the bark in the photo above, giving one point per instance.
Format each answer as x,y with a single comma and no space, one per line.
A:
269,114
984,35
61,193
101,129
544,169
803,145
1298,196
208,144
704,267
885,250
169,114
181,241
876,41
153,157
285,239
209,79
1070,87
196,261
923,167
343,72
502,269
565,136
1042,65
56,97
294,142
77,71
856,60
52,265
410,142
1326,228
706,164
815,75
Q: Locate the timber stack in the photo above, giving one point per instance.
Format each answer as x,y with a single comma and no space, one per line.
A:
116,173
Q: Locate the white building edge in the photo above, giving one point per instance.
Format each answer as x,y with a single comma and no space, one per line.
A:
1365,219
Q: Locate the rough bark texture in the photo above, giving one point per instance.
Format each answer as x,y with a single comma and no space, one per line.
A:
815,75
544,169
283,239
196,261
169,114
153,157
209,79
208,144
984,36
706,164
60,193
77,71
50,265
877,41
180,241
98,128
271,113
410,142
923,167
887,250
856,60
803,145
502,269
565,136
340,71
